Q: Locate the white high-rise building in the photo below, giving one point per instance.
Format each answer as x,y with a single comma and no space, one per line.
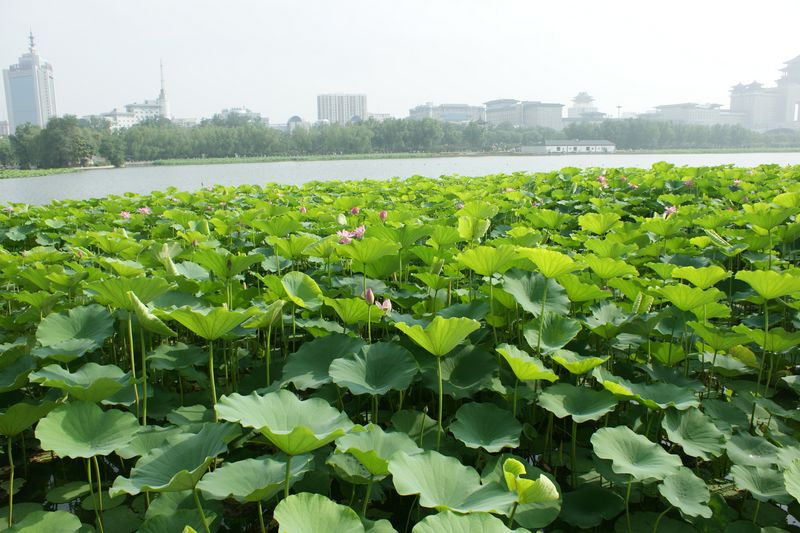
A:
342,108
30,94
140,111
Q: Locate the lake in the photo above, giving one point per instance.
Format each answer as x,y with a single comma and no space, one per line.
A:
144,179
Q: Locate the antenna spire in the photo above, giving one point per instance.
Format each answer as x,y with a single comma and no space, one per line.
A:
32,44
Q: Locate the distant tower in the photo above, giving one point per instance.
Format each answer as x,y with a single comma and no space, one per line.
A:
163,102
581,104
30,92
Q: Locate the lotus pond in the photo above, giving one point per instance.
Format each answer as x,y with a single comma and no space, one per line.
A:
584,349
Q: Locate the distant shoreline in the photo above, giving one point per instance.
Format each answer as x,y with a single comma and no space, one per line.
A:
20,173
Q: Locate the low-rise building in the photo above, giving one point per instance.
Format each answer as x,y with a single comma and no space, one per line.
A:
458,113
697,114
4,129
525,113
576,146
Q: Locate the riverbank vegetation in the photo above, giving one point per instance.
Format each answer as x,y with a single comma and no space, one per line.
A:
602,350
67,142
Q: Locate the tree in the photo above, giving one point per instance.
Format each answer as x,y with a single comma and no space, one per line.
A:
64,144
25,145
7,157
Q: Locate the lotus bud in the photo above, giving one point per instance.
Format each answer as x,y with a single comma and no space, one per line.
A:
303,209
355,210
386,306
384,215
342,220
369,296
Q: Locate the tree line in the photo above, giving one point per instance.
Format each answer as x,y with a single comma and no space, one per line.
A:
67,141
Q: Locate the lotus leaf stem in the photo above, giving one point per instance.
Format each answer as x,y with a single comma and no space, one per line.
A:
627,507
133,363
10,486
441,397
511,516
211,377
573,454
144,377
91,494
261,518
200,511
366,498
286,478
660,516
99,482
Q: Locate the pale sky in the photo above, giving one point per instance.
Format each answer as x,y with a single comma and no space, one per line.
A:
274,57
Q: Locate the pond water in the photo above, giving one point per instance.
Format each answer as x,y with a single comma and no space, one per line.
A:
144,179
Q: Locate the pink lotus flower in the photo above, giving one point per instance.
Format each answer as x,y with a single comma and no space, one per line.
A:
602,181
688,183
125,214
355,211
358,233
386,305
303,209
671,210
737,182
369,297
345,237
8,209
144,210
459,205
384,215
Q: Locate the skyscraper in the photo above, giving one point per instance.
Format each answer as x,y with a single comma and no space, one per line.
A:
341,108
30,94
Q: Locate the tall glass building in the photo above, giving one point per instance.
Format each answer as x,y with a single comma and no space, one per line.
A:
30,94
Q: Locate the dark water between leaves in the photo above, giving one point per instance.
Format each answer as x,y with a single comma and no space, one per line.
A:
141,180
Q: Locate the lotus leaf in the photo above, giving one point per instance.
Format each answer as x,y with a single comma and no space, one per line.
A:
577,364
688,298
764,483
488,260
791,477
92,322
633,454
448,522
702,277
441,335
313,513
687,492
525,367
484,425
21,416
307,368
374,448
590,505
82,429
147,319
550,263
177,466
90,383
252,480
376,369
294,426
580,403
535,293
210,323
751,450
368,250
770,284
550,332
694,432
48,522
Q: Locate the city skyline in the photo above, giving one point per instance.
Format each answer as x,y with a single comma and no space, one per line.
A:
279,58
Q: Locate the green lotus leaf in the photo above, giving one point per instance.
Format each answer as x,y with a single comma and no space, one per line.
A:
525,367
174,356
314,513
488,260
90,383
688,298
448,522
209,323
376,369
14,375
147,319
467,370
48,522
349,469
178,465
751,450
556,332
124,268
114,291
529,491
577,364
65,351
536,293
580,403
590,506
374,448
21,416
776,340
182,520
294,426
659,395
770,284
441,335
472,228
223,264
687,492
598,223
764,483
443,483
68,493
354,310
791,478
252,480
550,263
717,339
607,268
484,425
148,438
701,277
92,322
633,454
368,250
694,432
577,291
307,368
766,216
265,317
82,429
302,290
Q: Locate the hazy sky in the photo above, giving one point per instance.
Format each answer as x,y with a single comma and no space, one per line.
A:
275,56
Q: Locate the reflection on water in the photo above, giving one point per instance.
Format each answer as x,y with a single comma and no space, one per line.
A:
96,183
